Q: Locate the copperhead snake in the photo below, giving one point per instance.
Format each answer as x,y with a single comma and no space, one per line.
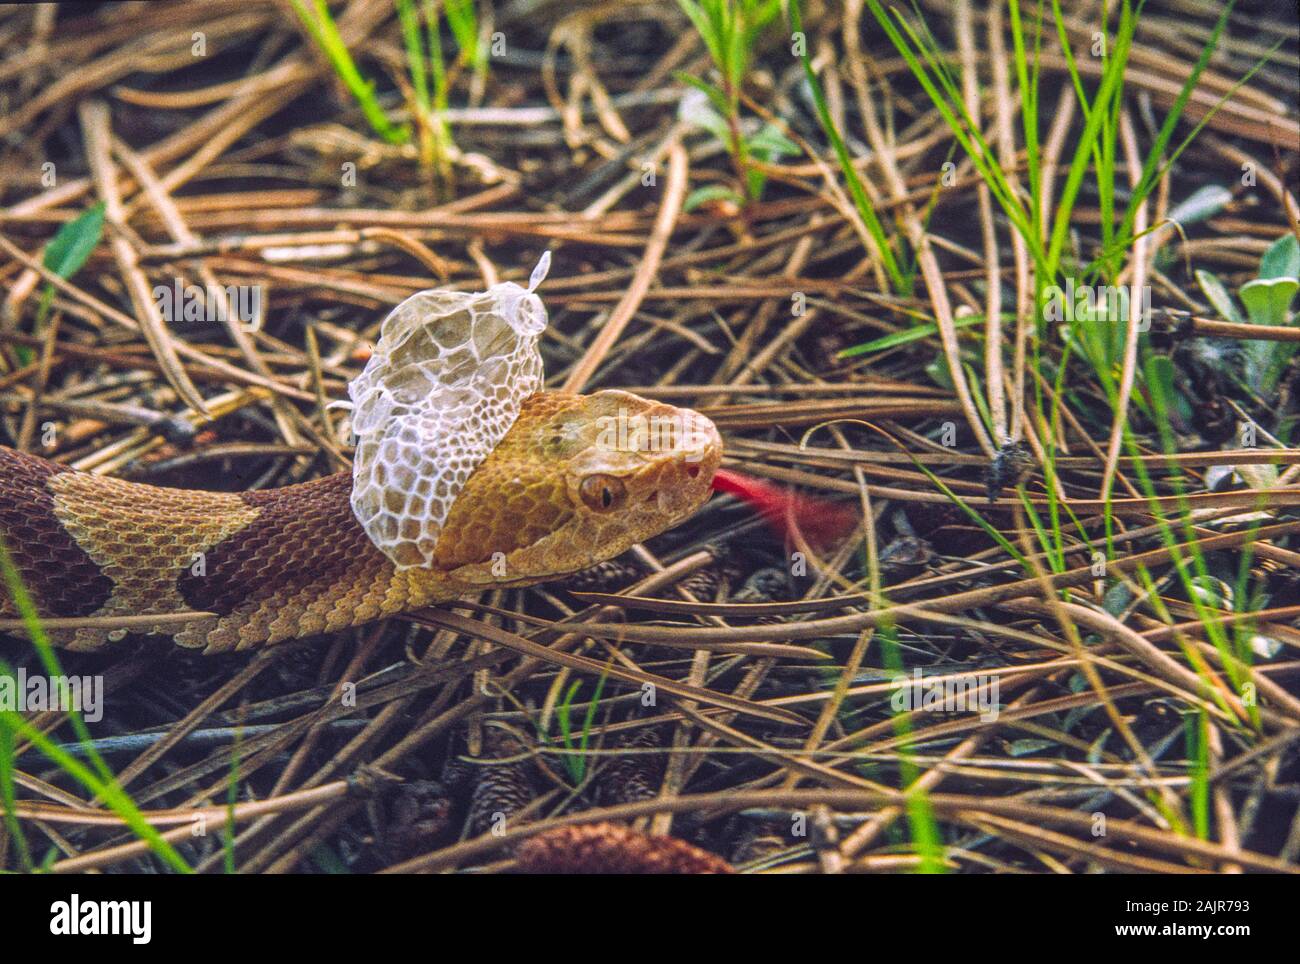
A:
467,476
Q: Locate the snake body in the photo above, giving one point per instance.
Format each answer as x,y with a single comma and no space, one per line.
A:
552,497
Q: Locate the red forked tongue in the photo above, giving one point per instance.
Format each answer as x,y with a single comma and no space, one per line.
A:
818,520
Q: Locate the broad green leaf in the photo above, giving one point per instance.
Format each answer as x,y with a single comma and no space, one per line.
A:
710,192
1218,296
1202,205
1116,600
704,107
1268,300
1282,259
770,144
75,241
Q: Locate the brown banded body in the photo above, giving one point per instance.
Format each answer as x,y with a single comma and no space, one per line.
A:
565,488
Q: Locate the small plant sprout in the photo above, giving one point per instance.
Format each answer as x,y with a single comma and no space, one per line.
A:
427,82
730,29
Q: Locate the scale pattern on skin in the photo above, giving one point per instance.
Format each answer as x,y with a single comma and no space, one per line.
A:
494,495
282,563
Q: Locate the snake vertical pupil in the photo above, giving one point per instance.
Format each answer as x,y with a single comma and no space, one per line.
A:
602,492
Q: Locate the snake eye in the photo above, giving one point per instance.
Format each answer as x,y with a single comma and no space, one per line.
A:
602,493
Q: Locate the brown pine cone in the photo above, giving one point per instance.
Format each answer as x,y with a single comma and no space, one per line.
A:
703,584
768,584
610,848
627,779
609,576
419,813
760,841
503,789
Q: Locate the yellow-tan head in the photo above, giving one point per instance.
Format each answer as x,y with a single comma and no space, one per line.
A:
577,480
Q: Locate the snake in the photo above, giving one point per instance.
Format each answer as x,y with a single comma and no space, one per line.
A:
468,475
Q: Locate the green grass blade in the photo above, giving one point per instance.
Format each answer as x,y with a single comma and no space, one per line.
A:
100,781
899,282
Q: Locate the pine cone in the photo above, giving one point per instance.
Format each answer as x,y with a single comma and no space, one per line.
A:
627,779
458,775
609,576
610,848
703,584
420,813
759,841
768,584
502,789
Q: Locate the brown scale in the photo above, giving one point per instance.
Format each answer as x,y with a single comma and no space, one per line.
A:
59,574
304,533
529,501
268,566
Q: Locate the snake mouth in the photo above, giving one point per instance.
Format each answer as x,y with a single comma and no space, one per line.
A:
690,470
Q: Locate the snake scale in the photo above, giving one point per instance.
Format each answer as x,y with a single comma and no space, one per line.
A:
468,476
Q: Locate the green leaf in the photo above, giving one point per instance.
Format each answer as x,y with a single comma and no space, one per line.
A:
1218,296
1117,599
909,335
1076,716
704,112
899,283
1268,300
75,241
702,24
1282,259
1203,204
770,144
464,26
710,192
940,372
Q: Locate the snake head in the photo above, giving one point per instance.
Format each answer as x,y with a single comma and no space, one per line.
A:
577,480
466,469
